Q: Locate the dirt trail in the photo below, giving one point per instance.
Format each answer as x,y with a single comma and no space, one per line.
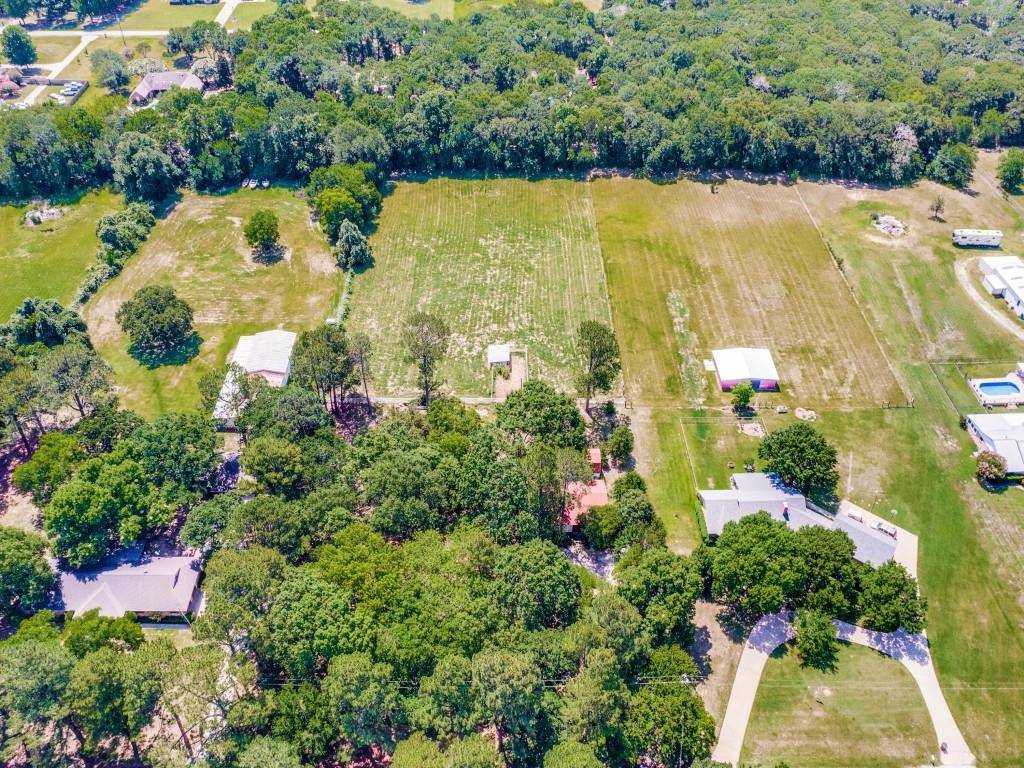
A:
964,273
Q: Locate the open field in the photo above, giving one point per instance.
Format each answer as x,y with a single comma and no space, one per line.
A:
160,14
507,260
739,264
81,67
49,260
248,12
200,251
50,50
867,713
661,457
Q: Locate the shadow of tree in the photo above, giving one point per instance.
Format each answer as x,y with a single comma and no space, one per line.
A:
270,254
179,354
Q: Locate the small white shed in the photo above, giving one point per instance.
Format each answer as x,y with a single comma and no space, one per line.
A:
499,354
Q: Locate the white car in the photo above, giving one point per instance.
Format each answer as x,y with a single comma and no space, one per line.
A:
265,183
253,184
886,528
58,98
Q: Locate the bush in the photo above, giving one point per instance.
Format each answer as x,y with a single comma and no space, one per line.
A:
1011,169
991,467
742,395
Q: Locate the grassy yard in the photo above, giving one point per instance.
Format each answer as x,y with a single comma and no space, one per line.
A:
868,713
248,12
662,459
160,14
200,251
692,267
50,50
49,260
506,260
81,67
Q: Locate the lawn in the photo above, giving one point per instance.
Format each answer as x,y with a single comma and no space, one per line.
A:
248,12
662,459
200,251
50,50
420,10
693,266
160,14
501,261
81,67
49,260
867,713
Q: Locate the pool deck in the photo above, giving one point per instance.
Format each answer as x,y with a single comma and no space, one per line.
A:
1010,399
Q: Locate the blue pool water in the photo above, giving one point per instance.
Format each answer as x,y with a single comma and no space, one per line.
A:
999,388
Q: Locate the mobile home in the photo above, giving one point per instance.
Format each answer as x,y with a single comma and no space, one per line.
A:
988,238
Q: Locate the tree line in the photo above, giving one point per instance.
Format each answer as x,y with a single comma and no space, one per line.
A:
547,89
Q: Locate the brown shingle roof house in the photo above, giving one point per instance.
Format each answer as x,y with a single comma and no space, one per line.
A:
155,586
156,83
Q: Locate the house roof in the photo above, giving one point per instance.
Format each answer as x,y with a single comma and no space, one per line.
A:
744,363
497,354
265,352
153,585
1009,270
754,492
594,455
583,497
158,82
1004,434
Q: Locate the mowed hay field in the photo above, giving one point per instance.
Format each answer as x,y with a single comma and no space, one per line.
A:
200,250
49,260
867,713
692,267
501,260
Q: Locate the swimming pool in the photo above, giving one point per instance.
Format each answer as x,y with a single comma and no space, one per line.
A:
999,388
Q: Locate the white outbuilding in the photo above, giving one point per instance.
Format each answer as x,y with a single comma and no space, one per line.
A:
268,354
1003,277
499,354
753,365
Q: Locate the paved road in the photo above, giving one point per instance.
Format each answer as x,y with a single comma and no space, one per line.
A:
970,278
910,650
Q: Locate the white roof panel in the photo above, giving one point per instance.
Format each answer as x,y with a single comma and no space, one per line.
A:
739,363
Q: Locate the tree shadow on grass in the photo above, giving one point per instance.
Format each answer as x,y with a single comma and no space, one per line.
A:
180,354
268,255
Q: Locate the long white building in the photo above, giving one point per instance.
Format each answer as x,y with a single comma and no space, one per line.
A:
1003,276
1001,433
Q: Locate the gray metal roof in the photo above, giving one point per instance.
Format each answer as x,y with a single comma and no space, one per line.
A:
158,585
754,492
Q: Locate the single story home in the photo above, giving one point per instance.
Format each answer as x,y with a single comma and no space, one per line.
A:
155,587
754,492
752,365
499,354
1001,433
1003,277
155,83
267,353
582,498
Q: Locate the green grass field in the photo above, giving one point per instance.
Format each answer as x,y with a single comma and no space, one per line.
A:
869,714
49,260
501,261
50,50
248,12
743,264
200,251
160,14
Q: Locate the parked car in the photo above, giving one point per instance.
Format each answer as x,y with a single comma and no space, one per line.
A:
886,528
265,183
58,98
253,184
245,183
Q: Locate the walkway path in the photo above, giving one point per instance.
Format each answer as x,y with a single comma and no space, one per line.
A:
910,650
227,11
967,274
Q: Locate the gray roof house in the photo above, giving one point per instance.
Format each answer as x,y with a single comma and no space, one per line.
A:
156,83
754,492
157,586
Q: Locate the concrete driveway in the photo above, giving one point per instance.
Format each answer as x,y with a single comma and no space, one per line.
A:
910,650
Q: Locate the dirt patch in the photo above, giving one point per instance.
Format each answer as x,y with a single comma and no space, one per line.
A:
717,653
890,226
752,429
805,414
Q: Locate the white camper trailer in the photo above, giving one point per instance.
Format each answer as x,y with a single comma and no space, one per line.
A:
990,238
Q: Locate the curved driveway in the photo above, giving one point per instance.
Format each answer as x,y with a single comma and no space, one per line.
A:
910,650
1002,318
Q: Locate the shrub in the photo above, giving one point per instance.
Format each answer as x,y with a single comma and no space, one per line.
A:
991,467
